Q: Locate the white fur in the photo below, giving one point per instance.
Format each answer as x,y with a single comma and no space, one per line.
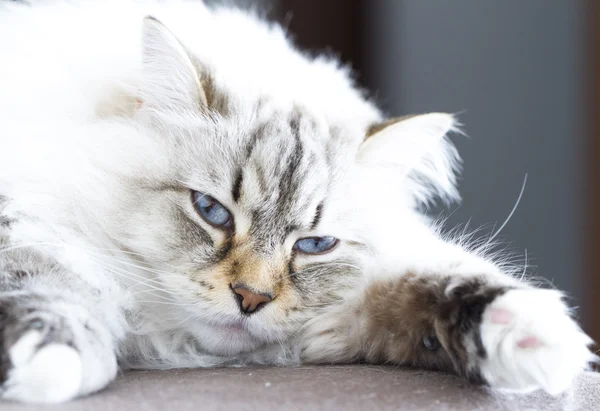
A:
72,63
556,355
51,374
417,150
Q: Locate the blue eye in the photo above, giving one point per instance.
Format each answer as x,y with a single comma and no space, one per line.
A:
316,245
211,210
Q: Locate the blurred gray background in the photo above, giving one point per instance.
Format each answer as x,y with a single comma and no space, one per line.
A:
514,70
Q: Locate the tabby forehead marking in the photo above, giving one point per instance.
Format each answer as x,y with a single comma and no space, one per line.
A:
288,171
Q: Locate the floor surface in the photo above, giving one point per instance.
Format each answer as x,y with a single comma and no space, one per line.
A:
315,388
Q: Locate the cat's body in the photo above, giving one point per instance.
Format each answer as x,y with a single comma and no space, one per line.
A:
112,140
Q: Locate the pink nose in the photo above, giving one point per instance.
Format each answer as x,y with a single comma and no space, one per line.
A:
249,301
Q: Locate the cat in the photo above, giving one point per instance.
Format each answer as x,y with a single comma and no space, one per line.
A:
181,187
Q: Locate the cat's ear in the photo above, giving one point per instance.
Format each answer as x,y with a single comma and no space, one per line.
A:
170,81
416,147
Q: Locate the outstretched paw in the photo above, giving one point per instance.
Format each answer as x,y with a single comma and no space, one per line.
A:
40,364
531,342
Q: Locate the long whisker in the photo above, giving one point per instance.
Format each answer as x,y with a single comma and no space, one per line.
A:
141,267
129,263
186,319
18,246
166,302
140,279
120,251
512,211
322,269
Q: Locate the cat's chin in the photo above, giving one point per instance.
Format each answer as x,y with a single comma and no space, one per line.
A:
229,338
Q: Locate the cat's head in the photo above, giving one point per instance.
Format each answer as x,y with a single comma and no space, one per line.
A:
258,213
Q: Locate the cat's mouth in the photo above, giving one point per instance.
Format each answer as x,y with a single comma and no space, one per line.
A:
235,327
232,337
245,330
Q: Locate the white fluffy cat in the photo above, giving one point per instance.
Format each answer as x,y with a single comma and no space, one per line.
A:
188,190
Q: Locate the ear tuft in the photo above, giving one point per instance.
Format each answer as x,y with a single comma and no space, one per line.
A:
169,79
416,148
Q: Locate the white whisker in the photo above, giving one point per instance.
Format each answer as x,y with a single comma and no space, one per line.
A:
512,211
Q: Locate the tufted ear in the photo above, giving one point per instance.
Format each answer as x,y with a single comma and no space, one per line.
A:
170,81
416,147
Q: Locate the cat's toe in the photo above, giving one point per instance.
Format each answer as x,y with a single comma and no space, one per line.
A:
531,342
330,338
40,364
50,374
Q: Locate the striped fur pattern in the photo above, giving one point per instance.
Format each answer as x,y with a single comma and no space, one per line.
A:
106,262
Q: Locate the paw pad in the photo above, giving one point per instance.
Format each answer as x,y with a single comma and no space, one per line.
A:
529,342
500,316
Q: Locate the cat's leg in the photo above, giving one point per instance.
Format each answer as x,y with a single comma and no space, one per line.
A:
54,345
456,311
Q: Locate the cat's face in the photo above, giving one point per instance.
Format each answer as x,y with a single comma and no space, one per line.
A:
249,230
243,228
249,220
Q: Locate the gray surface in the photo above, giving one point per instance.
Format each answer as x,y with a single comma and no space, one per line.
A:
516,68
314,388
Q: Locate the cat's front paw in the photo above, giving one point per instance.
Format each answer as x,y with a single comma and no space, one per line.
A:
331,337
39,364
531,342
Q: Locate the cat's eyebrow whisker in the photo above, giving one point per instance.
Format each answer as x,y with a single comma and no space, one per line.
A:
222,150
219,146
